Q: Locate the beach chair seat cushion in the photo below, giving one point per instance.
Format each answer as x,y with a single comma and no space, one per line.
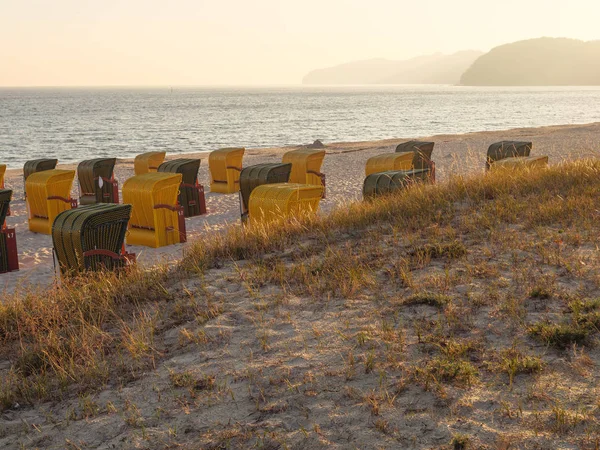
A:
386,182
225,166
91,237
389,161
273,201
156,218
148,162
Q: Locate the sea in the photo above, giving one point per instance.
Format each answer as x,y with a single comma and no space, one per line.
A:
73,124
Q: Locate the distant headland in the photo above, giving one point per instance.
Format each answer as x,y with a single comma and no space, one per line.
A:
534,62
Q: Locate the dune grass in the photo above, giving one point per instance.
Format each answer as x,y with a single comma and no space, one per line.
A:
406,253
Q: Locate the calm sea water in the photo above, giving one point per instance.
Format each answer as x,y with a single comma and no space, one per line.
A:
75,124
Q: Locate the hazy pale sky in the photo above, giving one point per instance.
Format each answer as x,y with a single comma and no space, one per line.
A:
200,42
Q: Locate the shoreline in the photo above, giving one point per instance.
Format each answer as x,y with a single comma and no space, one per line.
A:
459,154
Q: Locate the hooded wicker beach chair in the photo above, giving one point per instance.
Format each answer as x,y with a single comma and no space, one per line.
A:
507,149
306,166
37,165
148,162
273,201
258,175
48,194
422,153
520,162
191,193
97,182
156,217
389,161
225,166
91,238
9,259
2,172
382,183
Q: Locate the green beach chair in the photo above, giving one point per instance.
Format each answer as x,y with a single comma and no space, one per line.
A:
37,165
382,183
507,149
97,182
257,175
422,155
91,238
191,193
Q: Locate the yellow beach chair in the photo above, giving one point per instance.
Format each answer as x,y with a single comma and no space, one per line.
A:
306,166
273,201
148,162
388,162
156,218
225,167
48,194
520,162
2,172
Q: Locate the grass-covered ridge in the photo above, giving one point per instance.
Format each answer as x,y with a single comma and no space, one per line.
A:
469,306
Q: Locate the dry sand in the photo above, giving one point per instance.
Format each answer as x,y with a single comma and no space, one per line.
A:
344,167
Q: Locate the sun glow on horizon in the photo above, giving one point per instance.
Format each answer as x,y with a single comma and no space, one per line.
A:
234,42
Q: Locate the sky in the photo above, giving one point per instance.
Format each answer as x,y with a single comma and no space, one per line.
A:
255,42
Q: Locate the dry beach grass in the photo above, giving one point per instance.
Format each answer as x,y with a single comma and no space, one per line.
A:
460,315
344,165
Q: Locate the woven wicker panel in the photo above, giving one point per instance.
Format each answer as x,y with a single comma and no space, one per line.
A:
259,174
189,196
507,149
422,151
38,165
93,227
385,182
89,173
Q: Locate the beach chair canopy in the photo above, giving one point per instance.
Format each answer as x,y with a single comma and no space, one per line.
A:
274,201
386,182
48,194
188,168
389,161
190,197
155,213
89,174
38,165
5,198
507,149
520,162
148,162
90,237
2,173
422,151
259,174
306,165
225,166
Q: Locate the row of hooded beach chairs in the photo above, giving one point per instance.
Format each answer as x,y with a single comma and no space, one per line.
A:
161,195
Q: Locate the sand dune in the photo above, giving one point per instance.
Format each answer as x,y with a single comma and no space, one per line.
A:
344,167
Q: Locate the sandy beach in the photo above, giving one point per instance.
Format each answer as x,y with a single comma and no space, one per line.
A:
343,166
